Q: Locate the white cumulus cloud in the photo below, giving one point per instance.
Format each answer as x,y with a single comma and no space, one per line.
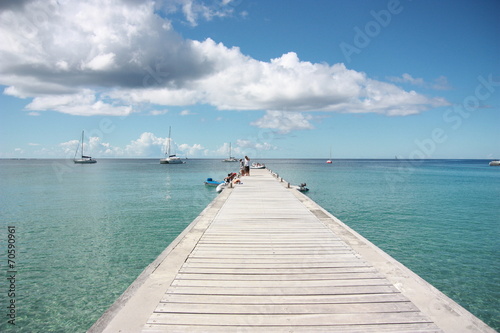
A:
102,57
147,144
284,122
191,150
255,145
81,104
440,83
100,62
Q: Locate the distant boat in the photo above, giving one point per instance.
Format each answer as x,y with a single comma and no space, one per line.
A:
83,159
330,160
230,158
495,163
302,187
257,166
170,159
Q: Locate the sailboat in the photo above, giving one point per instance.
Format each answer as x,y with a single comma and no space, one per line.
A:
330,160
230,158
83,159
170,159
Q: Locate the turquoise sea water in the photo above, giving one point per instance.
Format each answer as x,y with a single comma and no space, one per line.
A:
83,233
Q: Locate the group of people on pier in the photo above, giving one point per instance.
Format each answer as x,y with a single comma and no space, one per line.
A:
245,166
244,171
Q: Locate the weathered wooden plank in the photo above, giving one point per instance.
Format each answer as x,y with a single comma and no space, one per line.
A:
265,247
272,258
290,237
270,247
284,299
288,319
266,238
275,261
318,308
269,215
263,229
259,242
289,251
276,249
274,270
285,226
348,290
256,227
278,277
280,225
377,328
273,232
279,284
273,250
299,265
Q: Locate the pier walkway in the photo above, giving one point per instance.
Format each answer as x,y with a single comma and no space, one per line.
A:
265,258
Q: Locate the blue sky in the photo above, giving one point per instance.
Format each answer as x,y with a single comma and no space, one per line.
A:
277,79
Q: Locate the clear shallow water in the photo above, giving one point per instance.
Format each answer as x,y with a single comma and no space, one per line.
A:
85,232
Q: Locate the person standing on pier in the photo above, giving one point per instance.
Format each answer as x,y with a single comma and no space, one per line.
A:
247,166
242,167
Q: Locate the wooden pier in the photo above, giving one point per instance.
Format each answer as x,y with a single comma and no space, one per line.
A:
265,258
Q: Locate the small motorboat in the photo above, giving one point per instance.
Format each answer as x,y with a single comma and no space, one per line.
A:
495,163
220,187
302,187
211,182
257,166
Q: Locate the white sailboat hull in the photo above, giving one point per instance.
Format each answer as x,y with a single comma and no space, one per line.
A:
171,160
84,161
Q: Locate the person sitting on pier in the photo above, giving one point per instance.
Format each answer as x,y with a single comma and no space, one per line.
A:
230,177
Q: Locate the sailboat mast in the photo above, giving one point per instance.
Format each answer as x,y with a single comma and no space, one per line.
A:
168,147
82,142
